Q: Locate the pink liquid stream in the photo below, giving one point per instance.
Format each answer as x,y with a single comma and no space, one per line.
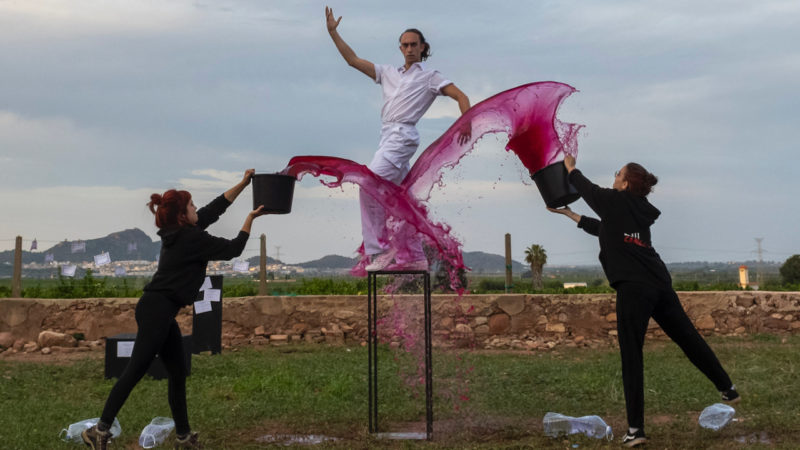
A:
527,114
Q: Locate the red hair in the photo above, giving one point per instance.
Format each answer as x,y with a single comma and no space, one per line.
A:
170,208
640,181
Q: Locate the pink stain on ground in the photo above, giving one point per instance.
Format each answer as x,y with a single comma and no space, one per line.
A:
527,114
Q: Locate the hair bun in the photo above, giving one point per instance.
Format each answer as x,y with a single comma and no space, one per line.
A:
155,199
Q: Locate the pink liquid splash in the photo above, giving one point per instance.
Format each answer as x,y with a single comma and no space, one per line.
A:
527,114
404,325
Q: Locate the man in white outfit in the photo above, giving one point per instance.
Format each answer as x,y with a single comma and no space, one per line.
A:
408,91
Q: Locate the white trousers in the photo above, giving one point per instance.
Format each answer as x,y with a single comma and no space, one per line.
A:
373,216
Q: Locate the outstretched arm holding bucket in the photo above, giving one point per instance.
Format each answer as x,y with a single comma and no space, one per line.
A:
234,192
567,212
211,212
588,224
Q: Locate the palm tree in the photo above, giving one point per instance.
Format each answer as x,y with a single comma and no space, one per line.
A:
536,256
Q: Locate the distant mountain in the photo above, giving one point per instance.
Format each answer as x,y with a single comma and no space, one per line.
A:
256,260
330,262
131,244
482,262
479,262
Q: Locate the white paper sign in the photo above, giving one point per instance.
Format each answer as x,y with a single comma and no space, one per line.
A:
212,295
124,349
78,247
206,284
202,306
48,257
241,266
120,271
102,259
68,271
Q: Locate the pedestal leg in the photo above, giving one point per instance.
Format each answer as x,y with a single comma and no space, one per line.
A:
372,345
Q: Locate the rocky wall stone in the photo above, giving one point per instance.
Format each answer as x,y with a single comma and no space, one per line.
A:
491,321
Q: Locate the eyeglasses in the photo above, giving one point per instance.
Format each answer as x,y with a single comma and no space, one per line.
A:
616,174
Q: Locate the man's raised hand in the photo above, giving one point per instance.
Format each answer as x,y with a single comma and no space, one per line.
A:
331,20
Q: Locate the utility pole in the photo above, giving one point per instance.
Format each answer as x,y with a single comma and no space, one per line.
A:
278,252
760,252
16,281
262,281
509,279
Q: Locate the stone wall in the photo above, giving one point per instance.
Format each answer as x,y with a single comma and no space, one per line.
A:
482,321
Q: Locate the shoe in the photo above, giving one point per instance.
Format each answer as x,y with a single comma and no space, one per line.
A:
381,260
96,439
188,441
422,264
635,439
731,396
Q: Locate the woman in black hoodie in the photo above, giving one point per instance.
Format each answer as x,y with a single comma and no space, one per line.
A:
642,281
186,249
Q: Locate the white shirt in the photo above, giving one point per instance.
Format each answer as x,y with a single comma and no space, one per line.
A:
407,94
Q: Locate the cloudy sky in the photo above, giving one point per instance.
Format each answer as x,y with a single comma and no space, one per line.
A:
104,102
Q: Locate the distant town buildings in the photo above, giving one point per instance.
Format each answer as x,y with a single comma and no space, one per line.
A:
140,268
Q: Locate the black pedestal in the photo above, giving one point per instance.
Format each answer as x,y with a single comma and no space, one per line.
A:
372,327
118,354
207,326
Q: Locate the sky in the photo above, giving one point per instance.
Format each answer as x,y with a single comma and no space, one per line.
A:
103,102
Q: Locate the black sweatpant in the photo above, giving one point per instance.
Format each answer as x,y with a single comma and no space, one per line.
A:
158,334
636,303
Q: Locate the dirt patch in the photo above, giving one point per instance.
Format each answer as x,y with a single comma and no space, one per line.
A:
462,432
661,419
267,430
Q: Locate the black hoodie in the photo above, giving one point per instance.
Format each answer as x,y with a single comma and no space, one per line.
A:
626,252
186,251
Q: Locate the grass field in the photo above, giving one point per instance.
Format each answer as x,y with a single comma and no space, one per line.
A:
482,399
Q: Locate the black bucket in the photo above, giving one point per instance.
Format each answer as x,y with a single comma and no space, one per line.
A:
275,191
554,186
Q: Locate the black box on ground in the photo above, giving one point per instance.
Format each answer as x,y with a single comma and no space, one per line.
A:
118,352
207,323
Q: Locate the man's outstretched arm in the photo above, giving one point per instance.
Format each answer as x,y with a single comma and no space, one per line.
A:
455,93
363,66
463,104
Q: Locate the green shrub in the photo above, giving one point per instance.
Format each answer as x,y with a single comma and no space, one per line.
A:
240,289
487,285
790,270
